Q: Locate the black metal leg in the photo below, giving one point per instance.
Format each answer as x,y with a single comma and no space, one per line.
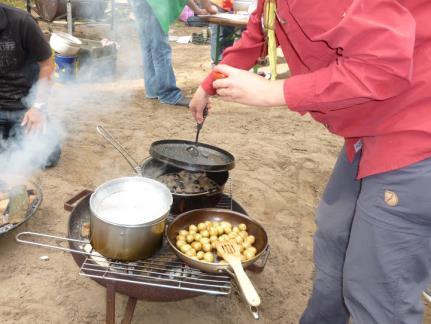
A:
110,303
130,309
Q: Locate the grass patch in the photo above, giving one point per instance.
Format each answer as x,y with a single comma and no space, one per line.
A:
15,3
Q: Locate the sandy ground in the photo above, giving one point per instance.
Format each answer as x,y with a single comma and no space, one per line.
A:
283,163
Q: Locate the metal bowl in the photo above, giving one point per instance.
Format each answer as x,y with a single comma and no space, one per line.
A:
197,216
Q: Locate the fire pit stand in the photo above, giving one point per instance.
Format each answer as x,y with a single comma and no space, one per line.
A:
163,277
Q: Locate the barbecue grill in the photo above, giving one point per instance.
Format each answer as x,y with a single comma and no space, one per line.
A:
163,277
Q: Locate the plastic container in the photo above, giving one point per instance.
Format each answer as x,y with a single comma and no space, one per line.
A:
66,67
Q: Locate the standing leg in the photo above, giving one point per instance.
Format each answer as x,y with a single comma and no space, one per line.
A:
215,43
161,52
388,260
143,22
130,309
334,218
159,74
110,303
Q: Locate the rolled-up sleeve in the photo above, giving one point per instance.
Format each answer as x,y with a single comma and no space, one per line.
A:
375,44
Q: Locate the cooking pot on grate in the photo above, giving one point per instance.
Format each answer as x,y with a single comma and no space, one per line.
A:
153,168
128,217
184,202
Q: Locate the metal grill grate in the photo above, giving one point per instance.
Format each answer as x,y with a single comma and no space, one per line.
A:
163,270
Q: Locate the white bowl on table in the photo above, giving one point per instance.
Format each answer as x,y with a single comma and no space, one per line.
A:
65,44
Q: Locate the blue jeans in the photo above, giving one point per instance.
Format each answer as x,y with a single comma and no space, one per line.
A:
42,150
159,75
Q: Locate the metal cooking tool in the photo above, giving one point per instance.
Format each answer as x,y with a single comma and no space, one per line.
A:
128,242
197,216
152,168
183,221
174,152
193,149
230,252
129,158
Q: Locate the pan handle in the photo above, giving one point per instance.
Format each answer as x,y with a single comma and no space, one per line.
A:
253,309
247,288
260,264
72,202
58,239
255,312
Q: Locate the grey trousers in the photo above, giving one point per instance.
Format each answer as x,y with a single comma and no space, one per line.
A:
372,247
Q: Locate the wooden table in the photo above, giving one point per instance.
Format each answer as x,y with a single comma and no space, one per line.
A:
239,22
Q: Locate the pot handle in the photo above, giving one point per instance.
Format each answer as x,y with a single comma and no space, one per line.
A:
72,202
120,148
260,264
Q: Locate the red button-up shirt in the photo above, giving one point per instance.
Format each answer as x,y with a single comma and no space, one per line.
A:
360,67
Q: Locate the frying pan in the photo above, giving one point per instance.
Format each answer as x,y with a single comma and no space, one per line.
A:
197,216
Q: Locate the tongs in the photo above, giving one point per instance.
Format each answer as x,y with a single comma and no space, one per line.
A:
120,148
193,149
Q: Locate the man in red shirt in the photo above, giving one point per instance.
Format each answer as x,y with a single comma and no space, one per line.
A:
363,69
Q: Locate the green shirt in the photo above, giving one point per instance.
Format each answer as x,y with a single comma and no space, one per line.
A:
167,11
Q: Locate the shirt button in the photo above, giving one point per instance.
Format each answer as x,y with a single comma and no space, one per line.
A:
281,19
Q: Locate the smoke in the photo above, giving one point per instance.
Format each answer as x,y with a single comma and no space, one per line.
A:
22,156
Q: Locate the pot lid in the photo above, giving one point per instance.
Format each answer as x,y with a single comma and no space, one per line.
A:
186,155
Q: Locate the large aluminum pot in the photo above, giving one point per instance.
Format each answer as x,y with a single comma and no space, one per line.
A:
128,217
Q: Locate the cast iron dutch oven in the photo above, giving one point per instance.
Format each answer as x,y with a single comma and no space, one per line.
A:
171,156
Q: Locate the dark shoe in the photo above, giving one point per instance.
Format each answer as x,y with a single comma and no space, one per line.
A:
53,158
183,102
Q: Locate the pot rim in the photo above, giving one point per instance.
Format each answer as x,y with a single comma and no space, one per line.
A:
135,179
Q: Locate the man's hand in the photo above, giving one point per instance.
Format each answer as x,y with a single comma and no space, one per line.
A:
248,88
33,121
198,103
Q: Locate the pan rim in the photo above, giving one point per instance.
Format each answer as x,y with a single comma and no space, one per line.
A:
219,267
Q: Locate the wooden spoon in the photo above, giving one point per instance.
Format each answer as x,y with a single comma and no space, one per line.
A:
229,250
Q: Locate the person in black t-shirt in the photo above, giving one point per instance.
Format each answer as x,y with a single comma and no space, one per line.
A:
26,67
